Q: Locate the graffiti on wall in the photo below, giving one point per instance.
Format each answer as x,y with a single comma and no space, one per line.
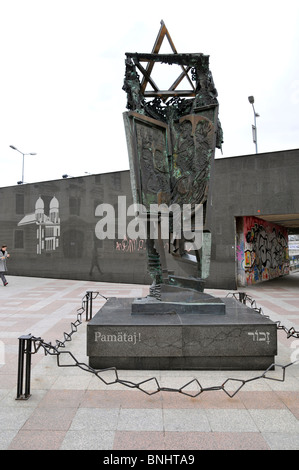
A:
129,245
262,254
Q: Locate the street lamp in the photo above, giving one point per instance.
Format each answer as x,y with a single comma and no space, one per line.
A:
254,129
14,148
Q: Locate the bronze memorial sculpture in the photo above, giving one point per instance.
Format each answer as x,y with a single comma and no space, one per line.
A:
171,136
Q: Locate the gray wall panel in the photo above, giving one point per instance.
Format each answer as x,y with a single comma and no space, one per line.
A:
242,186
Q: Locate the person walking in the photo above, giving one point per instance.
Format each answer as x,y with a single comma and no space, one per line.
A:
3,268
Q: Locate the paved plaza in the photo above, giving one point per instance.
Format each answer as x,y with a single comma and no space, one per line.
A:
71,408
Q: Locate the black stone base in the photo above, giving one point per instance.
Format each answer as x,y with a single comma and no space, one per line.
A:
206,304
242,339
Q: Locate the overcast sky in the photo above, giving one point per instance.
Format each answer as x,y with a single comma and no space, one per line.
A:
62,71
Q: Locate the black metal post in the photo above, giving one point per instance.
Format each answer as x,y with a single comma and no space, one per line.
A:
88,305
20,368
242,297
25,344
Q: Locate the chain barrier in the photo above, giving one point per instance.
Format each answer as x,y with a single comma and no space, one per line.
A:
246,299
30,344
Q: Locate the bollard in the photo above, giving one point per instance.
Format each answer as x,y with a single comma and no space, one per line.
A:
24,359
242,297
88,305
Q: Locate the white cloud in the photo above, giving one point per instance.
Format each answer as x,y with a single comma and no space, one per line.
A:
62,69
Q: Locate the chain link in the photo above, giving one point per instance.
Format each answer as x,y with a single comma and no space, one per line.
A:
246,299
151,386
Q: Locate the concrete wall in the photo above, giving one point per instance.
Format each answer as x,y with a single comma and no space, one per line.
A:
49,228
251,185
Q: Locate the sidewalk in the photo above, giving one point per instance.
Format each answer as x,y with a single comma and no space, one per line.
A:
70,408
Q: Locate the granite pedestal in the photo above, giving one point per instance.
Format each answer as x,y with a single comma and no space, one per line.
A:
235,338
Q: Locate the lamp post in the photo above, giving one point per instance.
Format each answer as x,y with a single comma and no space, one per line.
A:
254,129
14,148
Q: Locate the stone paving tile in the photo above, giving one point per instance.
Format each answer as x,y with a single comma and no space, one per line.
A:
294,303
213,400
175,400
239,441
290,384
179,382
62,399
42,382
13,418
214,441
54,419
88,440
7,381
261,400
219,400
97,384
283,339
140,420
79,382
275,421
119,399
9,400
231,421
185,420
277,308
281,441
291,399
93,419
141,440
3,394
6,438
37,440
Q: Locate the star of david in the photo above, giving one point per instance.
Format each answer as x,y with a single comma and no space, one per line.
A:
154,57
